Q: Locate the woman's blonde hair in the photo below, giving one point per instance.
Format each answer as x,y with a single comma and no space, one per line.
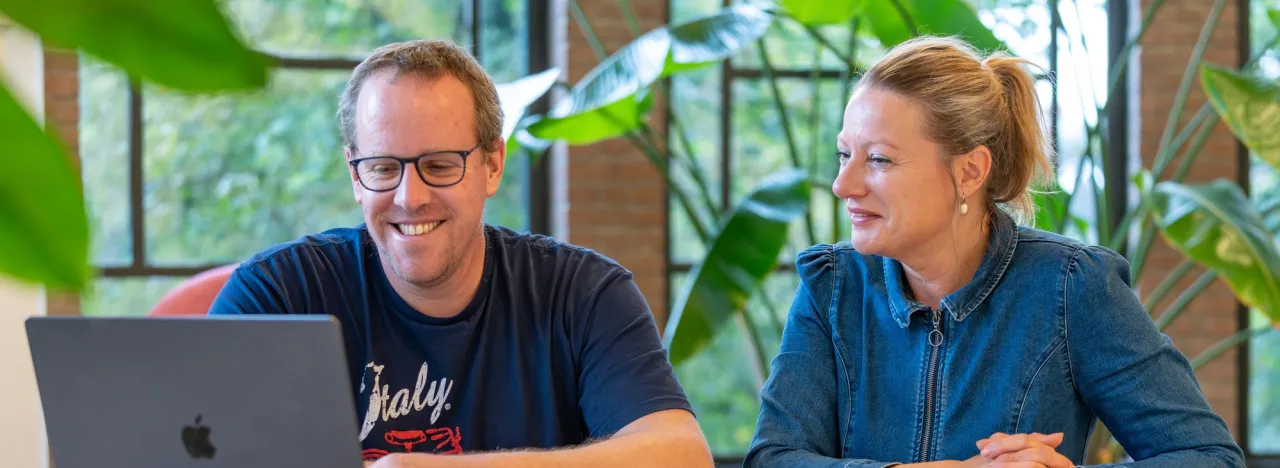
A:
970,101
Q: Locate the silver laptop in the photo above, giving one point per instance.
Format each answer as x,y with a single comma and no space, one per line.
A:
205,391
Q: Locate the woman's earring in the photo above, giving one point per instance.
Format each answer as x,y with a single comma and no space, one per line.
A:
964,206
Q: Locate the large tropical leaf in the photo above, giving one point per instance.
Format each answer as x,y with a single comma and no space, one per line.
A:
180,44
1250,105
516,97
934,17
819,12
740,256
609,101
1216,225
43,225
715,37
604,104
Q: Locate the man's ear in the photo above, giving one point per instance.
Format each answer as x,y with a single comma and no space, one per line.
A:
495,163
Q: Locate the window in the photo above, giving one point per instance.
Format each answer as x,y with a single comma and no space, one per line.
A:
177,184
1260,398
732,122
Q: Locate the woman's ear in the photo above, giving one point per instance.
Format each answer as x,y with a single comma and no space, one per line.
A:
971,170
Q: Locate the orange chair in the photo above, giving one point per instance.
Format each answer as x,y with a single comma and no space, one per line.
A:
195,295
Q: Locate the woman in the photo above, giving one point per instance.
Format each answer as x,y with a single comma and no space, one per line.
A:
944,334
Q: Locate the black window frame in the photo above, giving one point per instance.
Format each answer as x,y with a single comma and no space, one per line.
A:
541,42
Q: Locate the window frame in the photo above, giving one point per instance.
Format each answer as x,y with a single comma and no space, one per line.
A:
537,190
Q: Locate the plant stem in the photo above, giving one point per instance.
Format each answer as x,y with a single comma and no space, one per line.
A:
906,17
1188,295
772,308
1226,344
761,357
786,126
1164,159
1122,60
580,19
1184,166
629,16
1167,283
817,36
689,162
656,159
1188,77
1193,151
1145,239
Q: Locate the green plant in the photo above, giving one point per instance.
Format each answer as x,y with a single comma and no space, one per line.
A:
1213,225
181,47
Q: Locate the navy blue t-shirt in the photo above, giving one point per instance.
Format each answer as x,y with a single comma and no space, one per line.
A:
557,347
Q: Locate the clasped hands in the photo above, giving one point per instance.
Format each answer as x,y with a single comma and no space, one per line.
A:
1033,450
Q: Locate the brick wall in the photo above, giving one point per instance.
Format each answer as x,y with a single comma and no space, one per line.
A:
62,115
617,200
1165,52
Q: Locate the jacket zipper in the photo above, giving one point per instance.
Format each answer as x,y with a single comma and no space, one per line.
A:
931,384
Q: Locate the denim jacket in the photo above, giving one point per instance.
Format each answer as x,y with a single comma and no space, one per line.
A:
1047,337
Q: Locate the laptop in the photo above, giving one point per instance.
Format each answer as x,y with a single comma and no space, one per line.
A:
199,392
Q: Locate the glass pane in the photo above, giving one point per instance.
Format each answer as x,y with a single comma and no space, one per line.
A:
504,38
790,46
126,296
229,175
760,146
510,207
723,381
104,158
345,28
1264,389
696,112
503,51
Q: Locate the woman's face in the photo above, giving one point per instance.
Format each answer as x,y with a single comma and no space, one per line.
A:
899,193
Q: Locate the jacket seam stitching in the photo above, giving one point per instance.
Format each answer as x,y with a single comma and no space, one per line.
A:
1017,424
1066,329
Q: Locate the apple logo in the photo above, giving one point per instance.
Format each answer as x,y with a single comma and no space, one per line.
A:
195,438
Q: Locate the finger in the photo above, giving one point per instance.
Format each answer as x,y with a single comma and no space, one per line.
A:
1042,454
1013,443
1052,440
1017,464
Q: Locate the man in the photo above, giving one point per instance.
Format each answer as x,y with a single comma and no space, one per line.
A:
497,348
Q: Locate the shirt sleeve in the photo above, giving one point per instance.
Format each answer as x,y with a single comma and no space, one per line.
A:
1131,375
247,291
625,373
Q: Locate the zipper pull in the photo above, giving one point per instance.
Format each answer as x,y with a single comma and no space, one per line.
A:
935,336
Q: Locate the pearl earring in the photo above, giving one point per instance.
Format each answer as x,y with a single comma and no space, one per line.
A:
964,206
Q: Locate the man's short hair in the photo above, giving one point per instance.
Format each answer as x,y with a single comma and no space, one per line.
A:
427,59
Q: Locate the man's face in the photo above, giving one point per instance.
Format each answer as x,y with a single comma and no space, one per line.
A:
423,232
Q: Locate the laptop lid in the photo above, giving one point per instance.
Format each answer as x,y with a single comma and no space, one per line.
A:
200,392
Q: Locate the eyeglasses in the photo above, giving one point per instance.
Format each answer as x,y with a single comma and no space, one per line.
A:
438,169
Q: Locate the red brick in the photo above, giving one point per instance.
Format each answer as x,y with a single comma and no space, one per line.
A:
1166,48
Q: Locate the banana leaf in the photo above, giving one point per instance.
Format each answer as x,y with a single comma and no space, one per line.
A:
816,13
181,44
1216,225
1250,106
741,255
934,17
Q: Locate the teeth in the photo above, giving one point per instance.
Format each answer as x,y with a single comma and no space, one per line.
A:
417,229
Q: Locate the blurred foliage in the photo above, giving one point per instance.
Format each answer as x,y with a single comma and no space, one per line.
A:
230,174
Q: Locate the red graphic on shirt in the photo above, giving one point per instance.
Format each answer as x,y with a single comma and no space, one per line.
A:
448,441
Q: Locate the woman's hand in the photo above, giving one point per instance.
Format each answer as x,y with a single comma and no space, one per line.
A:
1023,450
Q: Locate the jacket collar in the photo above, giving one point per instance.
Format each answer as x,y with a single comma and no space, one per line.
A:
1002,241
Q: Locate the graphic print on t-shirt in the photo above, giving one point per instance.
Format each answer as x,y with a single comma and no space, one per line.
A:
423,404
